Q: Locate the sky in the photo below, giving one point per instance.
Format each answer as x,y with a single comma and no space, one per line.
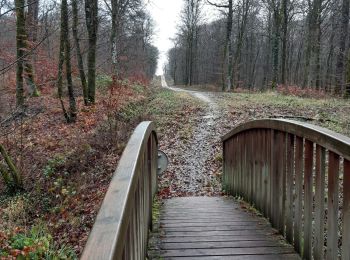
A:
166,16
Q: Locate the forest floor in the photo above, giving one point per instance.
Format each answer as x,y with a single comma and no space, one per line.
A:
67,168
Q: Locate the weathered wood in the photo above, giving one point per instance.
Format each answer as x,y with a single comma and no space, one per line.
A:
227,251
121,227
332,216
346,212
298,195
319,202
331,140
240,233
244,257
286,190
308,201
289,188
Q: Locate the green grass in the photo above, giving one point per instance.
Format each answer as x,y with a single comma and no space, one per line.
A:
331,113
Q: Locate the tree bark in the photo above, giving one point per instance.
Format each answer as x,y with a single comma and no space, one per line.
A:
20,46
343,34
78,51
91,16
284,40
16,176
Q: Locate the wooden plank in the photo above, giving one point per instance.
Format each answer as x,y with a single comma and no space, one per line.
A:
298,244
219,245
213,228
221,233
212,224
308,198
333,207
319,202
245,257
290,188
251,237
346,212
227,251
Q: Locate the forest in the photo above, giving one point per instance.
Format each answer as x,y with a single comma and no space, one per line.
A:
263,45
78,76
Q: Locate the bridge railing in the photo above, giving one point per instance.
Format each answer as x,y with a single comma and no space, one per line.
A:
298,176
121,227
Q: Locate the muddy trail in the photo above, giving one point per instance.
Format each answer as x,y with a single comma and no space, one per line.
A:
195,166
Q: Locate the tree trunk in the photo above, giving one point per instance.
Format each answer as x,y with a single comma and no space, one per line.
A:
20,46
16,176
78,50
343,34
31,20
229,50
64,55
284,41
275,44
72,103
91,15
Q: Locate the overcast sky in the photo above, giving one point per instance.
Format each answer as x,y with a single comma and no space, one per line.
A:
166,16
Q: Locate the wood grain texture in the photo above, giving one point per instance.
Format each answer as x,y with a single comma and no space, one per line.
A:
333,207
239,233
121,227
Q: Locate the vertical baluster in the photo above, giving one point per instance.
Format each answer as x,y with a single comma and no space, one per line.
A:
232,165
333,208
298,245
308,185
239,180
282,185
279,177
275,181
235,165
346,212
265,171
289,188
229,166
245,167
319,202
143,203
252,166
269,172
258,172
249,169
137,215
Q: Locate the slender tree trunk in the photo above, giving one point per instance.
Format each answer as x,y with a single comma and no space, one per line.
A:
78,51
91,14
284,41
275,44
72,103
330,58
114,36
229,50
340,68
31,33
64,55
20,42
317,44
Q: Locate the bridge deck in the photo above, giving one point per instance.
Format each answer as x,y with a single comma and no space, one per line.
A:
216,228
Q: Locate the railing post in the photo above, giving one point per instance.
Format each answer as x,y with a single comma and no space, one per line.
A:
332,216
308,201
346,212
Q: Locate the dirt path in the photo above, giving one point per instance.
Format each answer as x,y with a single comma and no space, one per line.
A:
194,167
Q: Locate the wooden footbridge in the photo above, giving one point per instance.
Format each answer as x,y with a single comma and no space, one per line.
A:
296,175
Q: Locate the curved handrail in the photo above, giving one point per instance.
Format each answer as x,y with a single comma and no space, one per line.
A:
297,174
329,139
122,223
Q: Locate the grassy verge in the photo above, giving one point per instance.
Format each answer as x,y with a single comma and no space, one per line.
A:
331,113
